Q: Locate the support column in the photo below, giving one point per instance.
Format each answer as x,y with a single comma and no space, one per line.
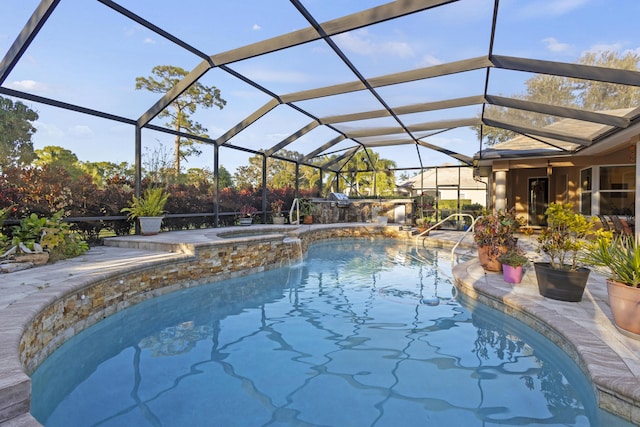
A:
595,190
297,186
138,161
637,207
216,186
437,198
264,189
501,190
138,169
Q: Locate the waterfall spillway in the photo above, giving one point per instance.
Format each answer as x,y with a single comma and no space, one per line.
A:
294,249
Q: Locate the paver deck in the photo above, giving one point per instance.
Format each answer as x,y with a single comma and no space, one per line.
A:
585,329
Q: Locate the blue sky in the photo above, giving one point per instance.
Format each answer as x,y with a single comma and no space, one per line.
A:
89,55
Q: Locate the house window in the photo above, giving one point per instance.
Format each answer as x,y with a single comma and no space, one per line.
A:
586,180
617,190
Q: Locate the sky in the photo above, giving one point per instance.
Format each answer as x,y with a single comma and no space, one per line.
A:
89,55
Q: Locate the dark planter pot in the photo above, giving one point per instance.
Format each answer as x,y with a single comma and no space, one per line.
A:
625,306
563,285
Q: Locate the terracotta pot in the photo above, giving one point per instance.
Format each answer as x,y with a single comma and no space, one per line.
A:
490,262
625,305
561,284
512,274
308,219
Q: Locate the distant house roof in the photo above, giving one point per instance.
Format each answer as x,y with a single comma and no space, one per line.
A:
447,175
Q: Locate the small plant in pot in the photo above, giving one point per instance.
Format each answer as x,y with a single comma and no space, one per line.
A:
513,262
620,258
306,210
494,234
39,240
276,211
246,214
563,278
148,209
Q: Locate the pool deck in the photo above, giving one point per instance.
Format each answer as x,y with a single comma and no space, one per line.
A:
584,329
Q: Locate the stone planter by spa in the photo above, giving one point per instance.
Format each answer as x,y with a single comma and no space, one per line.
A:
245,221
150,224
39,258
278,220
561,284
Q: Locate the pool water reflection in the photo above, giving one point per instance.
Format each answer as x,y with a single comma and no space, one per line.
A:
359,334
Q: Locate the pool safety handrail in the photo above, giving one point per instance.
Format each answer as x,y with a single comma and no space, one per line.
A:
295,207
425,233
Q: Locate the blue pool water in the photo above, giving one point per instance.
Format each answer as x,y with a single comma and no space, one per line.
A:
358,334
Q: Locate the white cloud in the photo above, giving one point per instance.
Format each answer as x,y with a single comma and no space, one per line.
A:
121,129
428,61
131,30
256,27
555,46
267,75
604,47
363,43
47,130
148,40
28,85
553,8
277,137
81,131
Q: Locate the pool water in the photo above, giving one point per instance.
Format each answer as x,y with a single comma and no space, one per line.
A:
358,334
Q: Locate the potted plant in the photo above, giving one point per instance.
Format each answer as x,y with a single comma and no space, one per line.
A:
276,211
306,210
563,278
422,223
494,234
621,259
4,214
513,262
246,214
38,240
148,209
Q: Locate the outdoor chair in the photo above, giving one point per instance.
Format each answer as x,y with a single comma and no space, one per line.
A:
620,227
605,223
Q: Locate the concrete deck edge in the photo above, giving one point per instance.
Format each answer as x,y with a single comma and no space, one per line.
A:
616,386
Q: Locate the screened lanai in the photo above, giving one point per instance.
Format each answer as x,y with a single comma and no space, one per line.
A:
317,83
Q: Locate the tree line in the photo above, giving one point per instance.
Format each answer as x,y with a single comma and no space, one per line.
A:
52,179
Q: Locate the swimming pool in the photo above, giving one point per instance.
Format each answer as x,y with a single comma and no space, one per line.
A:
360,334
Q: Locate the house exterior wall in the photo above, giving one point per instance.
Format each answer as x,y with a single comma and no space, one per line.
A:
564,180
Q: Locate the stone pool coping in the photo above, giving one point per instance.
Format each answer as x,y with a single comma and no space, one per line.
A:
584,330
